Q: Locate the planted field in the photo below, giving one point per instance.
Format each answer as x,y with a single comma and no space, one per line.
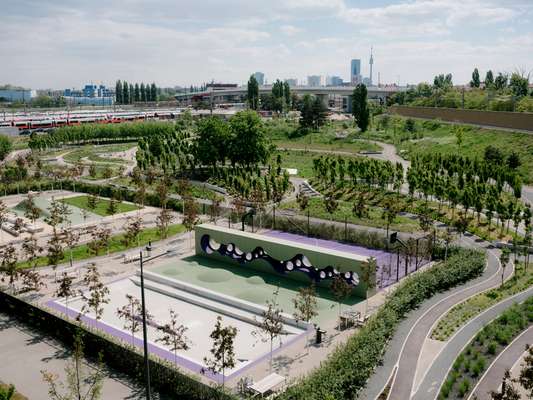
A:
102,206
484,348
463,312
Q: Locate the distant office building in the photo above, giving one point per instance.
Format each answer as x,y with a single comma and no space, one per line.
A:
314,80
260,78
292,82
98,95
15,94
355,71
334,81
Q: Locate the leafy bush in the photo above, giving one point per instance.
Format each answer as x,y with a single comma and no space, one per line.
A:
464,386
347,369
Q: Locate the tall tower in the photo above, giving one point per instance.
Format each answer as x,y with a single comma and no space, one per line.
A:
371,63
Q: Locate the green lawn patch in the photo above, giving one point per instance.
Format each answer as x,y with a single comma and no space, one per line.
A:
484,348
116,244
102,205
463,312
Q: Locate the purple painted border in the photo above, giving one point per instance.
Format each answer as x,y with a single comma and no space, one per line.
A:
160,352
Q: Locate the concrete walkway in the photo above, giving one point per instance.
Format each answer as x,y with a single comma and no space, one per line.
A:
492,378
406,345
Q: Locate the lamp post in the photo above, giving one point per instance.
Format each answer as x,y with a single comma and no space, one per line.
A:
145,335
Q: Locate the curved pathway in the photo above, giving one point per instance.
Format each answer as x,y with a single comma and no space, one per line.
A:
407,343
492,378
430,386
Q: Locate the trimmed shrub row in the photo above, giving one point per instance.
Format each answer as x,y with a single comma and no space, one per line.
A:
345,372
164,379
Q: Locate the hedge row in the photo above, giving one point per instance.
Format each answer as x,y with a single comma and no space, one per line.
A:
164,379
346,371
90,188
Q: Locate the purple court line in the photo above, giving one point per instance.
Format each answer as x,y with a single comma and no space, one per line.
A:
160,352
389,271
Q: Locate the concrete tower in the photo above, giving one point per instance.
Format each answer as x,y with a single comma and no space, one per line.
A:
371,62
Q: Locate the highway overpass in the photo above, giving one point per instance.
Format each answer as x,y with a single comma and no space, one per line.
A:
238,94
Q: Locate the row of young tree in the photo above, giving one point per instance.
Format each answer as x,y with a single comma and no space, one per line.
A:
99,133
128,93
339,171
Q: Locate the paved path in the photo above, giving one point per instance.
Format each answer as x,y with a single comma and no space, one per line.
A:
25,352
430,386
492,378
407,343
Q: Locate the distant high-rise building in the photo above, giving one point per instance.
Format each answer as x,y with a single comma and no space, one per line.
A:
334,81
260,78
355,71
292,82
371,62
314,80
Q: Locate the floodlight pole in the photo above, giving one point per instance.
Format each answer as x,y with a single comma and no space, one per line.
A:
145,336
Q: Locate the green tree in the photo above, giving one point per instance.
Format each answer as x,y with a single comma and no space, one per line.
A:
360,110
64,289
7,393
98,293
137,93
142,90
306,112
519,84
211,144
174,335
489,79
252,94
5,146
475,82
271,324
153,92
222,352
125,93
319,111
118,92
305,306
504,260
132,315
249,145
340,290
526,372
82,382
500,82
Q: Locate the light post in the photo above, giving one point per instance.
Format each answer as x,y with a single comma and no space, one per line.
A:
145,335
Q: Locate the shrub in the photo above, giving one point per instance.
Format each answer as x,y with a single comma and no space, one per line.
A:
464,387
347,369
491,348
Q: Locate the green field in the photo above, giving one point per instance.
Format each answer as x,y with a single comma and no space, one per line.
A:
102,205
441,138
116,244
94,153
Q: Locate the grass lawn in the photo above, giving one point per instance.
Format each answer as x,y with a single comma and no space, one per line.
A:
116,244
344,211
102,205
93,153
470,365
463,312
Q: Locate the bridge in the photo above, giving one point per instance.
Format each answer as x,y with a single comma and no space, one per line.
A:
238,94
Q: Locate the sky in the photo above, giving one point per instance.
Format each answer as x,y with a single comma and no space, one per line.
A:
67,43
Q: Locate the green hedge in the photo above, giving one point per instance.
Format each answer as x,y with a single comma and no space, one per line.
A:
152,199
164,379
345,372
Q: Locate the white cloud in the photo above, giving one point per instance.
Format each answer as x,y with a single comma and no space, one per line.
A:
290,30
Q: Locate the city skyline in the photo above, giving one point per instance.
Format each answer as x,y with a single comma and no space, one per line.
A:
194,43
